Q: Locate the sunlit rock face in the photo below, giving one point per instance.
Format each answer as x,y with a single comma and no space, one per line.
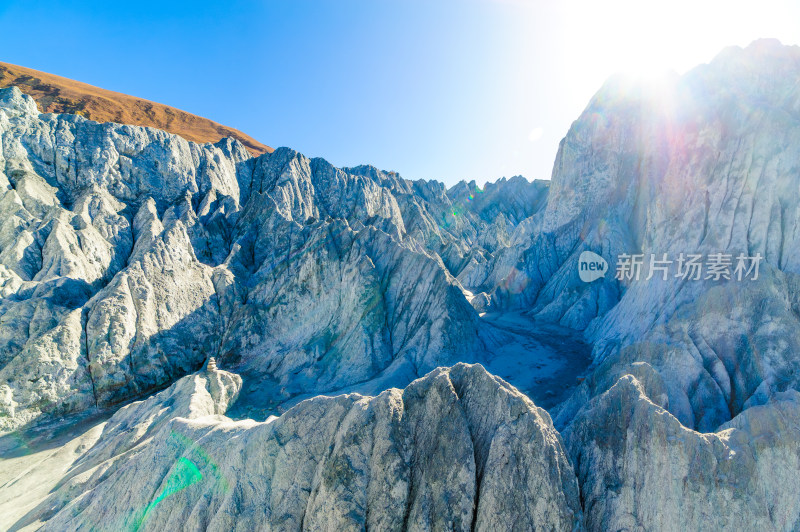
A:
640,469
101,282
702,164
706,163
456,450
129,256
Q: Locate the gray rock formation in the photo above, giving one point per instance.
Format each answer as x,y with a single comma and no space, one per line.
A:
705,163
456,450
640,469
129,256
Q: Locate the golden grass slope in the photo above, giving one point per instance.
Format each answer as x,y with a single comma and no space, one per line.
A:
55,94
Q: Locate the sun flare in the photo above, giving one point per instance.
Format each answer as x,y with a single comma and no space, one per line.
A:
646,38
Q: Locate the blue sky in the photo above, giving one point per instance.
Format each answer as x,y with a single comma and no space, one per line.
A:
436,89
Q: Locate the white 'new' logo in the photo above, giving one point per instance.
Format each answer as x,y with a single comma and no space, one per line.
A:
591,266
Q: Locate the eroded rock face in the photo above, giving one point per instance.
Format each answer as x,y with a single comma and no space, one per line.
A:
705,163
458,449
129,256
101,284
640,469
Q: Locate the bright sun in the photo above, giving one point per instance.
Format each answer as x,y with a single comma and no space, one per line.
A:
645,38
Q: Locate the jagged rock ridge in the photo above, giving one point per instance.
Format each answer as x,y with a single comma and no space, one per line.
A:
131,256
437,455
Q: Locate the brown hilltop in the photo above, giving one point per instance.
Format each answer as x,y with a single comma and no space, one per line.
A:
55,94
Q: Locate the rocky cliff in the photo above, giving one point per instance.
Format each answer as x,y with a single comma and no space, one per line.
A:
411,459
133,255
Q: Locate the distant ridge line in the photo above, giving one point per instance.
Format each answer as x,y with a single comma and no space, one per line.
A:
57,94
